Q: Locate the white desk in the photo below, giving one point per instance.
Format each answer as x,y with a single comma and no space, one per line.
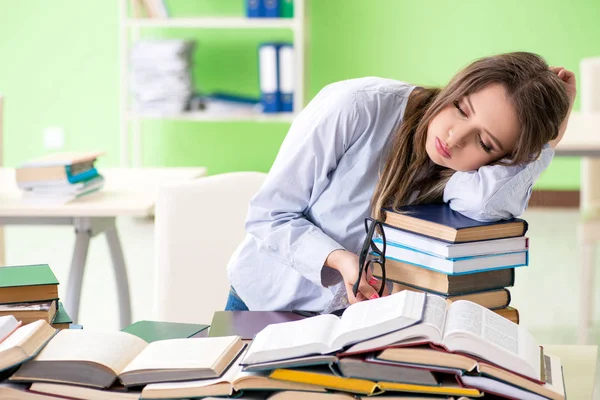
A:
582,139
127,192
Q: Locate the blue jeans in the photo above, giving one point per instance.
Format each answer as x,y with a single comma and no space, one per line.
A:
234,303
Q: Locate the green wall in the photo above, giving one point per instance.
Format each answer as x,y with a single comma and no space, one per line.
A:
59,66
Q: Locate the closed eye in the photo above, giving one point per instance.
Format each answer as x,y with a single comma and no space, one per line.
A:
460,110
485,147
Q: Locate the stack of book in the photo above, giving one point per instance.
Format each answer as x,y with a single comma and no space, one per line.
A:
161,77
29,293
433,249
58,178
408,344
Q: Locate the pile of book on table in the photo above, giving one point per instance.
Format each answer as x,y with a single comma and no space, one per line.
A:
59,178
29,293
408,345
433,249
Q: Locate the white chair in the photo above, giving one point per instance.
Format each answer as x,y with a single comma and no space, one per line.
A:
198,226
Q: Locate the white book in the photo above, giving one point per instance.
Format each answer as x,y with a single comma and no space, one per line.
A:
8,324
329,333
468,328
455,250
455,266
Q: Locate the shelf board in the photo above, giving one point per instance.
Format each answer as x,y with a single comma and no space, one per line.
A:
206,116
212,22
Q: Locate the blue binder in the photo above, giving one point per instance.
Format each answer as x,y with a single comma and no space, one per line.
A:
271,8
255,8
268,77
285,60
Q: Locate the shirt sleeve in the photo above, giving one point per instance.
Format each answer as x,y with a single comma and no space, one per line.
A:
495,192
316,141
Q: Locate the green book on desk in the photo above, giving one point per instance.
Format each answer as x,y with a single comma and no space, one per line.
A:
61,320
27,283
152,331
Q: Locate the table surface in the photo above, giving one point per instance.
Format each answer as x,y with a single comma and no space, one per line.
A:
127,192
582,137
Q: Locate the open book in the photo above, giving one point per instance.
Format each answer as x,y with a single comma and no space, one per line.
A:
233,380
468,328
328,333
8,324
24,343
96,359
477,374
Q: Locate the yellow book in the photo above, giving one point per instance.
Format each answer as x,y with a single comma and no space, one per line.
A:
327,380
447,388
366,387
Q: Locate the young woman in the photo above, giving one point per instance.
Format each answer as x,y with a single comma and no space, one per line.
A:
360,145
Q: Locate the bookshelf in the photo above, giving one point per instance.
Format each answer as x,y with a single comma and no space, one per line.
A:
131,133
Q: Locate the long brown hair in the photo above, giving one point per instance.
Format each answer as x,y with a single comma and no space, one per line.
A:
537,94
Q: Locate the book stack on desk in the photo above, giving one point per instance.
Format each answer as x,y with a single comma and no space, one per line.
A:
433,249
59,178
29,293
407,345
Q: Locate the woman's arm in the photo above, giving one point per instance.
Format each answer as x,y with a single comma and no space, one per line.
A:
568,78
495,192
316,141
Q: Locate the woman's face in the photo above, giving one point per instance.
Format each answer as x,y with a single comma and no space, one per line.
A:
474,131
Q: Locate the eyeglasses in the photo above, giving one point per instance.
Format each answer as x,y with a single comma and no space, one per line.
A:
366,260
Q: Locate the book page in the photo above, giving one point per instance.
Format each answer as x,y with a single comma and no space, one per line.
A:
292,339
491,328
368,319
182,353
435,313
20,336
113,349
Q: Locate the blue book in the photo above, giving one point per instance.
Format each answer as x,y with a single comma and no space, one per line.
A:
254,8
271,8
440,222
455,266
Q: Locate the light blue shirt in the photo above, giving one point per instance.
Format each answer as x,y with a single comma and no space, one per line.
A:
318,192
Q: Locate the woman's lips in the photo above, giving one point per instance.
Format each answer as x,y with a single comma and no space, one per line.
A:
442,148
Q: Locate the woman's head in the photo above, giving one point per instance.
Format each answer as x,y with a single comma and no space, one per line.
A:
500,108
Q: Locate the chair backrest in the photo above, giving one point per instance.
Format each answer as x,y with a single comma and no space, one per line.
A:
198,226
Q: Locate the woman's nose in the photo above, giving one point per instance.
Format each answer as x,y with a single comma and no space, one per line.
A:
456,138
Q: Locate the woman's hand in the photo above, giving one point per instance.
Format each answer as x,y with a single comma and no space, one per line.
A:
347,265
568,78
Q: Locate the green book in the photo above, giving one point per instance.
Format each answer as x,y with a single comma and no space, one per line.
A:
61,316
286,9
152,331
27,275
27,283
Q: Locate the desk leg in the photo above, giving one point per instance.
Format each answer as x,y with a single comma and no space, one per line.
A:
82,244
118,260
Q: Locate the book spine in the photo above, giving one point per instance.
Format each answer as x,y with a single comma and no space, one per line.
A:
286,9
254,8
271,8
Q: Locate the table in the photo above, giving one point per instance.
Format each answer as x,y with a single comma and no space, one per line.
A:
582,139
128,192
579,367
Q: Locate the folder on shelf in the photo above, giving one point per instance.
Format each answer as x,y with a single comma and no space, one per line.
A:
271,8
254,8
286,9
285,59
268,79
